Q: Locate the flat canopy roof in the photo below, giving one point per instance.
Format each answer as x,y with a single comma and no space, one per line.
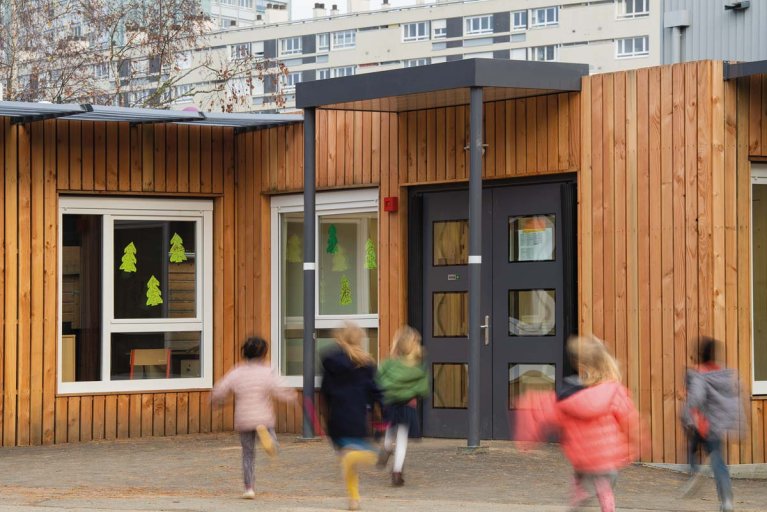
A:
440,85
23,112
740,69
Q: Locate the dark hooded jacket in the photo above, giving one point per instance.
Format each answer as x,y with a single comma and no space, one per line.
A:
716,395
349,391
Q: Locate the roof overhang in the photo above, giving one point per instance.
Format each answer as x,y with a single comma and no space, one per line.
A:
733,70
440,85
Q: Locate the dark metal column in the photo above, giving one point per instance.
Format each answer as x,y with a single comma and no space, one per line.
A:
309,271
475,262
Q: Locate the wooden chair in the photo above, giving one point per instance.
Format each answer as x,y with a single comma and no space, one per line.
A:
150,357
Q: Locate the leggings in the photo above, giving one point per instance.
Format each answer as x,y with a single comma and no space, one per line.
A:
603,487
351,460
400,449
248,442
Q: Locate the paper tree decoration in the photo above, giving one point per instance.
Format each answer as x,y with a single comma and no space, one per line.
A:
294,249
332,240
153,293
340,263
346,292
370,255
129,258
177,251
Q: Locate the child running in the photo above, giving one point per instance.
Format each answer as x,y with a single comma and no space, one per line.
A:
254,385
595,418
349,391
403,380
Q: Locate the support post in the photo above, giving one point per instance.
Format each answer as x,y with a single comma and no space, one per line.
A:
475,262
309,271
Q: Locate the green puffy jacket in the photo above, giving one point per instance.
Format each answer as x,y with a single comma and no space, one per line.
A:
401,383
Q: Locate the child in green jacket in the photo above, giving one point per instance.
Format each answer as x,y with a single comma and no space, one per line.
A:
403,380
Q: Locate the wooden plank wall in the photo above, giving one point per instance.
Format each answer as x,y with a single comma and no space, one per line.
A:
42,160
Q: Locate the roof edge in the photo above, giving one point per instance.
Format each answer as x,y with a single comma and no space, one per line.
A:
733,70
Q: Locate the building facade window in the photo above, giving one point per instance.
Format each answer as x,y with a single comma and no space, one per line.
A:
323,74
342,71
632,47
344,39
544,53
439,29
290,80
247,4
227,22
418,31
478,25
759,276
239,51
518,54
183,93
544,17
136,291
412,63
101,70
632,8
323,42
346,278
290,46
519,20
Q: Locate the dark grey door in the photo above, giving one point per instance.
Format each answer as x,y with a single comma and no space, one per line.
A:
523,296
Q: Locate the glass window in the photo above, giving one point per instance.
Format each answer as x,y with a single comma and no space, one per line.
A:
532,312
519,20
412,63
322,74
632,47
136,294
418,31
342,71
450,314
290,46
529,377
451,243
544,53
439,29
323,42
290,80
450,389
101,70
532,238
633,8
759,275
478,25
239,51
344,39
544,16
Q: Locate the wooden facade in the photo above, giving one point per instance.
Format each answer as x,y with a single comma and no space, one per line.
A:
662,157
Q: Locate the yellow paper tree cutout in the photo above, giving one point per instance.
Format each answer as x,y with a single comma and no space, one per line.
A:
153,293
129,258
346,292
177,251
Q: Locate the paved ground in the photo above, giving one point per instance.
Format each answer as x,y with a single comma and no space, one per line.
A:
202,473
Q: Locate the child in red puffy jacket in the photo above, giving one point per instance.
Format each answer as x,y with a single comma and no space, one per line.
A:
595,418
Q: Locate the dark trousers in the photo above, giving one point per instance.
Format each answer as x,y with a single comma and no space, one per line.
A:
712,446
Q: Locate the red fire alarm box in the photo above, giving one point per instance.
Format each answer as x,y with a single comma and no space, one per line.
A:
390,204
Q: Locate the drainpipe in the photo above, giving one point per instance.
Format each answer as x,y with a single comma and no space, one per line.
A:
309,271
676,21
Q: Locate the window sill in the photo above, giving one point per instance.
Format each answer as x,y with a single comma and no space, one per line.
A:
629,57
126,387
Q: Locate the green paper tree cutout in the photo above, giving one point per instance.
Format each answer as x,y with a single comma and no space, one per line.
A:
340,262
294,249
346,292
129,258
370,255
153,293
177,251
332,240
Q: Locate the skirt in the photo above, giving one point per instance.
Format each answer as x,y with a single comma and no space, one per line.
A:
402,414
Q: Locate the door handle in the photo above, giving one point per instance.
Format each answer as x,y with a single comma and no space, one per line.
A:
486,327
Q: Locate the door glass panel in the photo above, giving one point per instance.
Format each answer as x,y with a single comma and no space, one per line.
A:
532,312
451,313
529,377
451,385
451,243
531,238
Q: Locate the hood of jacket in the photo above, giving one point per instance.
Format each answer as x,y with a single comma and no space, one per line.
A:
590,402
722,383
337,362
395,371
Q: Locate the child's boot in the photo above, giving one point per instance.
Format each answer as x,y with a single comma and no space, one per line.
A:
249,494
396,479
265,437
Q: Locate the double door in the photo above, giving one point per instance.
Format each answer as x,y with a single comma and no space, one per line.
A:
523,302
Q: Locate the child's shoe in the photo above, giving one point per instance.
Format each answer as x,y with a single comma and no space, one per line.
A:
691,486
396,479
267,441
249,494
354,504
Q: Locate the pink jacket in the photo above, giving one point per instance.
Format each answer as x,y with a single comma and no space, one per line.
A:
254,385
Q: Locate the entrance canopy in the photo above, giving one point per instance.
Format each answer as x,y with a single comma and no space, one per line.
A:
440,85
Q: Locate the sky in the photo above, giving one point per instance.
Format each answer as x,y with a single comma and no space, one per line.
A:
303,8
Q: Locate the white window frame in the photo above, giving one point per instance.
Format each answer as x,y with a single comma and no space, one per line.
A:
343,39
323,47
112,209
324,74
534,49
341,71
534,17
236,54
421,32
289,81
620,9
101,70
468,21
343,202
758,177
439,29
291,46
414,63
519,26
619,54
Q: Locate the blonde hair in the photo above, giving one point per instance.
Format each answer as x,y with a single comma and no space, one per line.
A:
592,359
407,345
350,340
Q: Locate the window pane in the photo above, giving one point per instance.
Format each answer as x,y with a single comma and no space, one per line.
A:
293,348
529,377
81,298
450,314
348,264
155,269
532,312
531,238
451,386
759,215
155,355
451,243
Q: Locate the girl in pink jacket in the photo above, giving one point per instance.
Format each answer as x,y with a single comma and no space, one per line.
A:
594,417
254,385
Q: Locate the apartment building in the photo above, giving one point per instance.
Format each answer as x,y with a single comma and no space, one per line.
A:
608,35
229,14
